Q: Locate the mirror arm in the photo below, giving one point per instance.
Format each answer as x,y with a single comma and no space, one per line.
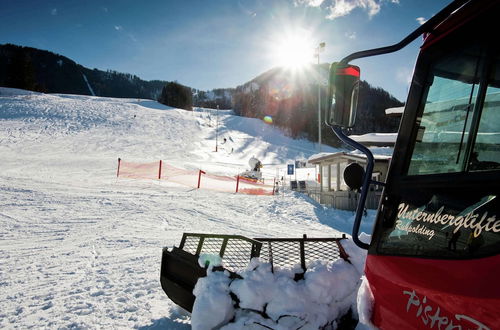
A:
426,27
377,183
364,188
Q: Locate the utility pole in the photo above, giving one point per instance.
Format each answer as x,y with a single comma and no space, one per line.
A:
319,49
217,128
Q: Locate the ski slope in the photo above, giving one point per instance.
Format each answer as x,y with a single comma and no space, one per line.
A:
80,248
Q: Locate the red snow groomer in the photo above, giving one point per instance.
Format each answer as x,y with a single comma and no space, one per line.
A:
434,257
433,261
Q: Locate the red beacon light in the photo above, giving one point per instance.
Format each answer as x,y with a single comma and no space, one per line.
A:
350,70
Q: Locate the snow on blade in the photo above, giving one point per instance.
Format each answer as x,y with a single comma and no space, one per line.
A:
365,303
273,299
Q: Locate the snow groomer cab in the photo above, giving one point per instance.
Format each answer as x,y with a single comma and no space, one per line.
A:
433,261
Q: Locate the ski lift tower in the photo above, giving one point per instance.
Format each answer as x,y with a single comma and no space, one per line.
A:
217,128
319,49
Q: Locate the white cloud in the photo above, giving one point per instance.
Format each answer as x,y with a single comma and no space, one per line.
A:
105,9
310,3
53,12
351,35
421,20
339,8
404,75
132,37
118,27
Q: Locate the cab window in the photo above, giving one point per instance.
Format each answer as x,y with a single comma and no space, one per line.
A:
449,101
447,140
446,202
486,154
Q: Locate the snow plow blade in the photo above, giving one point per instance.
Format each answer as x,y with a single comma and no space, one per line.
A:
179,273
180,269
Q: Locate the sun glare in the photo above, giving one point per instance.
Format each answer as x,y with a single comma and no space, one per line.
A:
293,50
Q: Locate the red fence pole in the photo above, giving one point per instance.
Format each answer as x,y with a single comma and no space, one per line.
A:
237,182
159,171
199,178
118,170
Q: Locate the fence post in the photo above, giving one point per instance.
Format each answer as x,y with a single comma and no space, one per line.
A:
118,170
237,182
274,185
302,252
159,171
199,177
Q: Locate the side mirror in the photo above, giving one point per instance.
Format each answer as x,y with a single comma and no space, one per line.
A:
353,176
343,95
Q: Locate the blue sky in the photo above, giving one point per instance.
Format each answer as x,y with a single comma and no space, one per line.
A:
218,43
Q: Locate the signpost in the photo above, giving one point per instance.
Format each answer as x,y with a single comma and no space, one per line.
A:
217,129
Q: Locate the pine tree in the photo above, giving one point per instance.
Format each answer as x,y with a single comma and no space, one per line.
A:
176,95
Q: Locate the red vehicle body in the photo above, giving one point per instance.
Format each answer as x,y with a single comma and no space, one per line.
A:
434,261
434,293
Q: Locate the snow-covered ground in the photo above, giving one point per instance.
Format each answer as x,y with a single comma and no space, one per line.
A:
80,248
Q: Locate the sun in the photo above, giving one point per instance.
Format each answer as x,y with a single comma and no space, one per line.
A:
292,49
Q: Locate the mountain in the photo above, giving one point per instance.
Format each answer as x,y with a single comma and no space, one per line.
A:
290,99
44,71
221,97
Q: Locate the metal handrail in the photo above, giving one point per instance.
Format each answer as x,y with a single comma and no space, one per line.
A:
370,161
424,28
257,244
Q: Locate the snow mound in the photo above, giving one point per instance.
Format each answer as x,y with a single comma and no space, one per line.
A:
80,248
6,91
274,299
365,303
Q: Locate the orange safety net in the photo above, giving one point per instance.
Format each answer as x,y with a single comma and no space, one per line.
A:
192,178
138,170
255,188
244,179
255,191
217,182
178,175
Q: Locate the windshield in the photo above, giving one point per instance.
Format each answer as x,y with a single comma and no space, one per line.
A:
450,106
440,210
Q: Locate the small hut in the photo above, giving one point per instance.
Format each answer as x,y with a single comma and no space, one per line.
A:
333,191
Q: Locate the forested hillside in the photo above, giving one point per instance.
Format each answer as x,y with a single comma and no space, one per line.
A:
221,97
176,95
291,100
44,71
